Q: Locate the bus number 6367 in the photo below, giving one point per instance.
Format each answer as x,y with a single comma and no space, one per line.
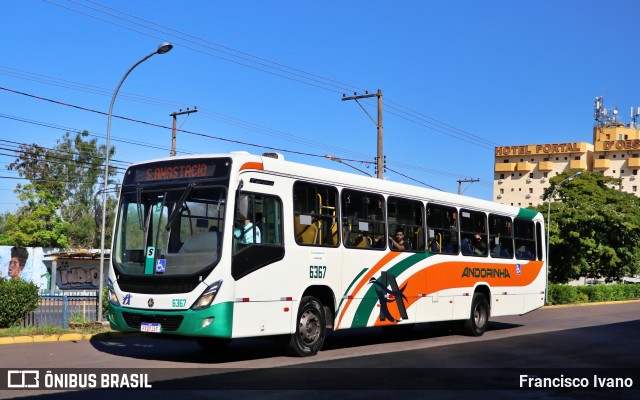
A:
317,271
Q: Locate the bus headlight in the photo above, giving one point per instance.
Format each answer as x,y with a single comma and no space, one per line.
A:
113,299
207,297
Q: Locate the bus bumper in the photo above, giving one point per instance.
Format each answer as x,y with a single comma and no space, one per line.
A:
214,321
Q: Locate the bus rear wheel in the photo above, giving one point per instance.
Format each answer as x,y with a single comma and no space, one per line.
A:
311,329
478,321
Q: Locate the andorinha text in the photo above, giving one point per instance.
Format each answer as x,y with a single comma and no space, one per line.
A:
485,273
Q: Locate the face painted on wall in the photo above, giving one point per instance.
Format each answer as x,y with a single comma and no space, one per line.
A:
19,256
15,268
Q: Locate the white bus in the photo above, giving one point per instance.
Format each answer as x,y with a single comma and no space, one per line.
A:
225,246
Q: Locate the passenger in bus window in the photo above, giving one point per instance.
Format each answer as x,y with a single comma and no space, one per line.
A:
474,246
246,232
399,242
378,242
496,246
453,222
523,253
434,247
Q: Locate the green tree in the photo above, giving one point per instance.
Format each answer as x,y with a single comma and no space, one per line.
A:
61,204
594,230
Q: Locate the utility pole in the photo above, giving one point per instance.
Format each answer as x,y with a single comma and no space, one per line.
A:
174,130
380,157
465,180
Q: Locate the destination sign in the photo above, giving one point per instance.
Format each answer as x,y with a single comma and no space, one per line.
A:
178,170
160,173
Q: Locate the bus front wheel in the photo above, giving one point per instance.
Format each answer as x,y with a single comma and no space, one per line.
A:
311,329
478,321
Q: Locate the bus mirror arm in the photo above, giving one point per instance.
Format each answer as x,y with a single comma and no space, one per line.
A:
237,201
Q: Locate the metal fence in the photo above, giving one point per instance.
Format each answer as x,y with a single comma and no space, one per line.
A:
59,309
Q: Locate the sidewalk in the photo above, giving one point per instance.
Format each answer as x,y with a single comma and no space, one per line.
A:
64,337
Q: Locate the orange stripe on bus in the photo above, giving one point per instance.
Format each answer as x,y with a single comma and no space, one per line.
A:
365,279
252,165
450,275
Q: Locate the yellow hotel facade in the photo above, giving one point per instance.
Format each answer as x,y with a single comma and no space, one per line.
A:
522,173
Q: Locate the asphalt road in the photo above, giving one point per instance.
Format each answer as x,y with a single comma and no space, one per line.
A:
583,347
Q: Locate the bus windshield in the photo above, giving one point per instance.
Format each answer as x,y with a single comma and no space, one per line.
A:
169,231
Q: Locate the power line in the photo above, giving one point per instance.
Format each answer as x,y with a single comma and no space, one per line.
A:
53,158
161,126
450,128
397,110
93,134
39,179
203,111
400,110
261,66
279,149
437,126
413,179
227,48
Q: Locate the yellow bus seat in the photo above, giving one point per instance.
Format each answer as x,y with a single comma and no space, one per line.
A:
305,234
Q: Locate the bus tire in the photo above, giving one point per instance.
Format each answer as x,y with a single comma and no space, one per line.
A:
213,343
311,329
478,321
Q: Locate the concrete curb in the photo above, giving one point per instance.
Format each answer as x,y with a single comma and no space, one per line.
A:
65,337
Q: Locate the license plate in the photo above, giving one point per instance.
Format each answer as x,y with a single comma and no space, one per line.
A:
150,327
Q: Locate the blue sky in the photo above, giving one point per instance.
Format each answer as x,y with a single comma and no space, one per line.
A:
458,78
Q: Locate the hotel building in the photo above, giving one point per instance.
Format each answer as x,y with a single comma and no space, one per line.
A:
522,173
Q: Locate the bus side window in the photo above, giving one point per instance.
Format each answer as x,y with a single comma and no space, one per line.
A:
363,220
500,236
473,233
539,241
260,242
315,214
442,229
524,237
406,216
258,220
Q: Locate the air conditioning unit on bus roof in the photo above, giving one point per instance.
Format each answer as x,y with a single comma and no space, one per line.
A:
277,156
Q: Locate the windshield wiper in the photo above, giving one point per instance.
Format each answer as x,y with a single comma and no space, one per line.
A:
178,206
139,201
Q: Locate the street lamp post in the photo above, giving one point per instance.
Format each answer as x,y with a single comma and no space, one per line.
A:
555,189
163,48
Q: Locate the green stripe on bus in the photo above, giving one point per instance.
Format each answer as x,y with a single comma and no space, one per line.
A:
525,213
349,288
368,303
